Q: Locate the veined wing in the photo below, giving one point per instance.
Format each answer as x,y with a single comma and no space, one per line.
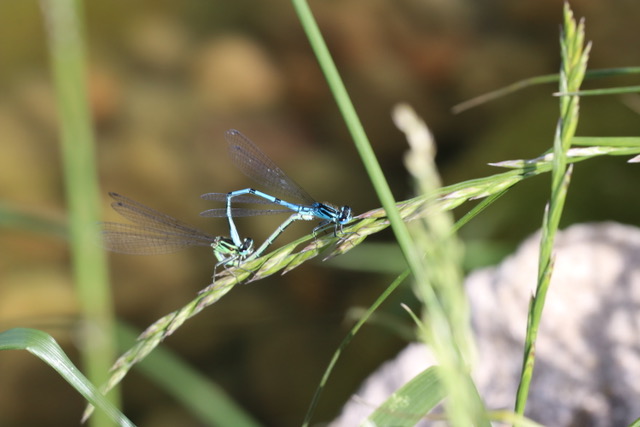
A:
140,240
258,166
152,232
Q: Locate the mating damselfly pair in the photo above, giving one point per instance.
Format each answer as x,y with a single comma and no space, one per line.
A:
154,232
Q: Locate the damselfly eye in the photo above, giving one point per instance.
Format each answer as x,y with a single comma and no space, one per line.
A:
345,214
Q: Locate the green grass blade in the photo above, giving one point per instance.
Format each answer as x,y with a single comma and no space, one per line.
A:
411,249
574,63
67,52
354,330
43,346
606,141
607,91
573,155
359,136
16,219
538,80
411,402
504,91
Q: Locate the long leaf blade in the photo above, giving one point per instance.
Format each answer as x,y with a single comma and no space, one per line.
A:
46,348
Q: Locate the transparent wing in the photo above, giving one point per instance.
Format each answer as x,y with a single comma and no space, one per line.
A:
153,232
258,166
139,240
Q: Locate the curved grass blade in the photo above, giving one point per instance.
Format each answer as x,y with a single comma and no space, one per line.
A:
354,330
43,346
549,78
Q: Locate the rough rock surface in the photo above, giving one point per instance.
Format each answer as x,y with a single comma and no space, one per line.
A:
588,350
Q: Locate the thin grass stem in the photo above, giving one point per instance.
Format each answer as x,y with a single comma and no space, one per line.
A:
574,62
63,19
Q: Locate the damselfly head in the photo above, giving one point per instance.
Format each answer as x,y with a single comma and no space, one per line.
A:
247,246
345,215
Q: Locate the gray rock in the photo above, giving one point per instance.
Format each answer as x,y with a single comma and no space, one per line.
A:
587,370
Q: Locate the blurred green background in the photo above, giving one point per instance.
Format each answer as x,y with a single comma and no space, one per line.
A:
168,78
